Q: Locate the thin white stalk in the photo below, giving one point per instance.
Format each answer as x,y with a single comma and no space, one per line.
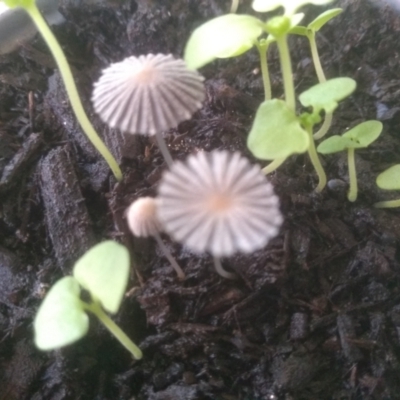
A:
164,149
171,259
221,271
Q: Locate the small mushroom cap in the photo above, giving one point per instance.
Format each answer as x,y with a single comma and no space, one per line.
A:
148,94
389,179
218,202
142,217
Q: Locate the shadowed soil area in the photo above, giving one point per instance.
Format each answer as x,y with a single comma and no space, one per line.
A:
313,316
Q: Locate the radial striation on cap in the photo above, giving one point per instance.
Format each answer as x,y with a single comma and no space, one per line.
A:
218,202
148,94
142,217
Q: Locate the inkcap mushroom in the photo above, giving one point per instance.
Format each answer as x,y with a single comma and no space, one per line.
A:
148,94
220,203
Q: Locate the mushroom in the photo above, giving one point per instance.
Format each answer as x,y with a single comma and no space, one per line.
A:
143,222
148,94
218,202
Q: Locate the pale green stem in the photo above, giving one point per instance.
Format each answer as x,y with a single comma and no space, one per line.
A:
96,309
220,270
164,149
234,6
323,130
388,204
312,152
272,166
287,75
262,49
70,86
168,255
315,57
353,190
321,78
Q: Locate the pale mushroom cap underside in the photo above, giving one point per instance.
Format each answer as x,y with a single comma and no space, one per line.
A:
148,94
142,217
218,202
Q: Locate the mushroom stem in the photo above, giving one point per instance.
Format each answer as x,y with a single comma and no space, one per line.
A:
171,259
221,271
164,149
352,194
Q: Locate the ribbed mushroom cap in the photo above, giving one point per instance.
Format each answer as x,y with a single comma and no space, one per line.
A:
148,94
142,217
218,202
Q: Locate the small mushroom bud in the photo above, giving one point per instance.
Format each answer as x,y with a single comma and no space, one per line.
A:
143,222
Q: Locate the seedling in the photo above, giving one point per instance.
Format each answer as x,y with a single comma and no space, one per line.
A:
310,32
103,271
361,136
30,7
389,180
143,222
148,94
220,203
277,132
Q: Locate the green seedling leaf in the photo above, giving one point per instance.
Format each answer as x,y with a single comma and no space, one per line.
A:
227,36
326,95
281,25
299,30
104,272
361,136
60,319
323,18
290,6
389,179
276,132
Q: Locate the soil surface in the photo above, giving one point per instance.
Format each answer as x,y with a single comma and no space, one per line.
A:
314,315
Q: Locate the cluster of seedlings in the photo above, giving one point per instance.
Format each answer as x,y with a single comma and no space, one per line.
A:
216,202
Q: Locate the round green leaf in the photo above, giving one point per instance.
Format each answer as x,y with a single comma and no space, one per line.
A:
290,6
227,36
334,144
326,95
60,319
104,272
323,18
276,132
362,135
389,179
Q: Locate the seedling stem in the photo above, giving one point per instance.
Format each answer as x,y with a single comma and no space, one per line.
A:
262,47
353,190
70,86
312,152
96,309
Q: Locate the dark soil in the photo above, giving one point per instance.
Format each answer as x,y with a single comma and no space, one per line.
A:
315,315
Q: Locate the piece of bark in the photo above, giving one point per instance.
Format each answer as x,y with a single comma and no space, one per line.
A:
66,215
25,155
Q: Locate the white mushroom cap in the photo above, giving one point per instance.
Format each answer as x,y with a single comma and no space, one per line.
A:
148,94
142,217
218,202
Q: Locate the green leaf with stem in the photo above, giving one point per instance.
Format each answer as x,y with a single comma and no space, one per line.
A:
310,33
60,319
361,136
276,132
325,96
226,36
389,180
66,74
104,272
290,6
